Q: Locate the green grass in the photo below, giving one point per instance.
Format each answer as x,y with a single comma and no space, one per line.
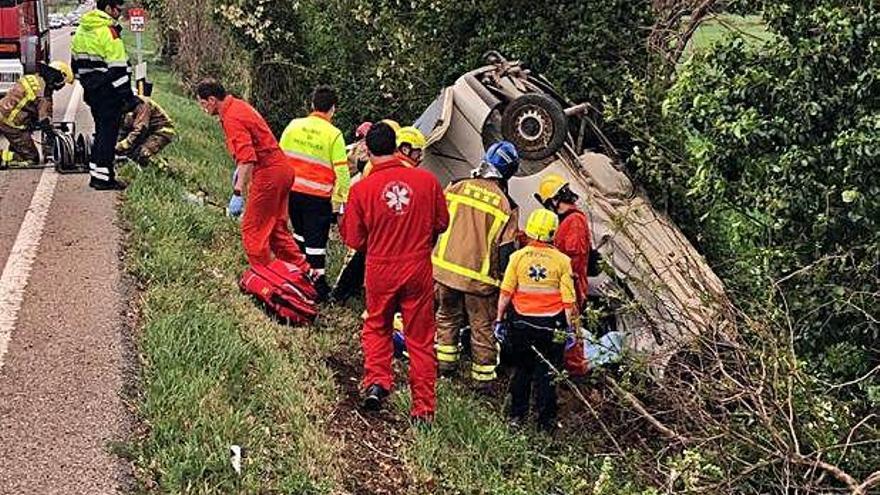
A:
715,30
216,372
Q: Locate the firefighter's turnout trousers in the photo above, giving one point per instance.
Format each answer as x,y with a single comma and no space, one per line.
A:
456,309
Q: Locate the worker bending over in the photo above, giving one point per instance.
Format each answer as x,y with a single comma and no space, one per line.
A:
28,106
573,240
469,261
538,283
145,131
317,150
395,216
263,174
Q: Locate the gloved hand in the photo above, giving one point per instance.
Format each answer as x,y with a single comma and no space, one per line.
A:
570,339
63,127
500,331
236,206
45,125
123,146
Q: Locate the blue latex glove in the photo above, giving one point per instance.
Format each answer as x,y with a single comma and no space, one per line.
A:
236,206
500,331
569,338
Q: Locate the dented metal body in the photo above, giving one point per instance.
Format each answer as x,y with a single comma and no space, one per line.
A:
662,290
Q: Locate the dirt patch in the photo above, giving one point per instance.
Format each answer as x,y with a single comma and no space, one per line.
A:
371,440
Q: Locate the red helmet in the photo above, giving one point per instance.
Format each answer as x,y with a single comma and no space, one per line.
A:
362,130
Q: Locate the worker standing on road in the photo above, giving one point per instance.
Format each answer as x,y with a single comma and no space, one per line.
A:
470,258
410,149
145,131
538,281
101,65
573,240
395,216
28,106
322,177
263,173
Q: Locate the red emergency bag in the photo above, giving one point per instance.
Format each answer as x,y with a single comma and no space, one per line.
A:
286,291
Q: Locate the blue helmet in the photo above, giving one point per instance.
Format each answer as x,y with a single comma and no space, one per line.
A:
504,158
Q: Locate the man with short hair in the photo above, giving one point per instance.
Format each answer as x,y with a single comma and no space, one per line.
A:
395,215
262,173
317,150
101,65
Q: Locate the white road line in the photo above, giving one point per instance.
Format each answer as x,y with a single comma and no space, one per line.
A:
17,271
21,258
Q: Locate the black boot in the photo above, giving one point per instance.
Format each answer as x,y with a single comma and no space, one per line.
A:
103,185
374,396
322,288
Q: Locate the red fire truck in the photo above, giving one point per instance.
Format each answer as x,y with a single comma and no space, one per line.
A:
24,39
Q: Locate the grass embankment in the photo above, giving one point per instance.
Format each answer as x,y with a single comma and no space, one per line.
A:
217,372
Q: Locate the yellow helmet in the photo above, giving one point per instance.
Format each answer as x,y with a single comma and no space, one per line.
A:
542,225
64,69
550,186
393,123
412,136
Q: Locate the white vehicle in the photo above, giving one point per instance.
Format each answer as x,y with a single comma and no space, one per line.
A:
661,290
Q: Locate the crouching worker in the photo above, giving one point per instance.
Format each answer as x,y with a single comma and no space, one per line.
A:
538,283
263,173
27,107
145,131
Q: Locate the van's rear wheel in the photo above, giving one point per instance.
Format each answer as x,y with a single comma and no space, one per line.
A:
536,124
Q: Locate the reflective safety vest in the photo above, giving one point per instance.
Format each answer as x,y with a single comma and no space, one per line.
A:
540,281
25,103
99,60
481,220
318,152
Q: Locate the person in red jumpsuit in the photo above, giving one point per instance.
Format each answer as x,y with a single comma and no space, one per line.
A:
263,172
395,215
573,240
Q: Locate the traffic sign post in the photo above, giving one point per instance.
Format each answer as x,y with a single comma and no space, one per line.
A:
137,20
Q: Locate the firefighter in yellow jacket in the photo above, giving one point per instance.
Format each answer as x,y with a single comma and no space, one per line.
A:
469,259
145,131
28,106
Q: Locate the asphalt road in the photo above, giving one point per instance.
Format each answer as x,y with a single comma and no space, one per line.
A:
63,334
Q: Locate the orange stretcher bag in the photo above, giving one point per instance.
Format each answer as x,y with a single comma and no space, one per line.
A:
286,292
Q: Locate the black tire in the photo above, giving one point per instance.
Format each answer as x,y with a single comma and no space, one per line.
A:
536,124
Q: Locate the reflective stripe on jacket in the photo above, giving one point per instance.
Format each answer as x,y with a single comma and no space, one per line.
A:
539,280
481,220
317,149
26,103
98,57
147,119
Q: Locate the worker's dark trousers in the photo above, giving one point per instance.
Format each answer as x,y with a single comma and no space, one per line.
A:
531,349
351,277
107,116
311,217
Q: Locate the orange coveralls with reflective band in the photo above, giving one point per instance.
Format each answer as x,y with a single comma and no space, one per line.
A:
264,227
538,277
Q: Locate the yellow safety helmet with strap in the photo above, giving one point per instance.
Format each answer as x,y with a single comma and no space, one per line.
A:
411,136
64,69
393,123
550,186
542,225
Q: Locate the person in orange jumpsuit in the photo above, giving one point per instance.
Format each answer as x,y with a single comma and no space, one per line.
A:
395,215
573,240
263,172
